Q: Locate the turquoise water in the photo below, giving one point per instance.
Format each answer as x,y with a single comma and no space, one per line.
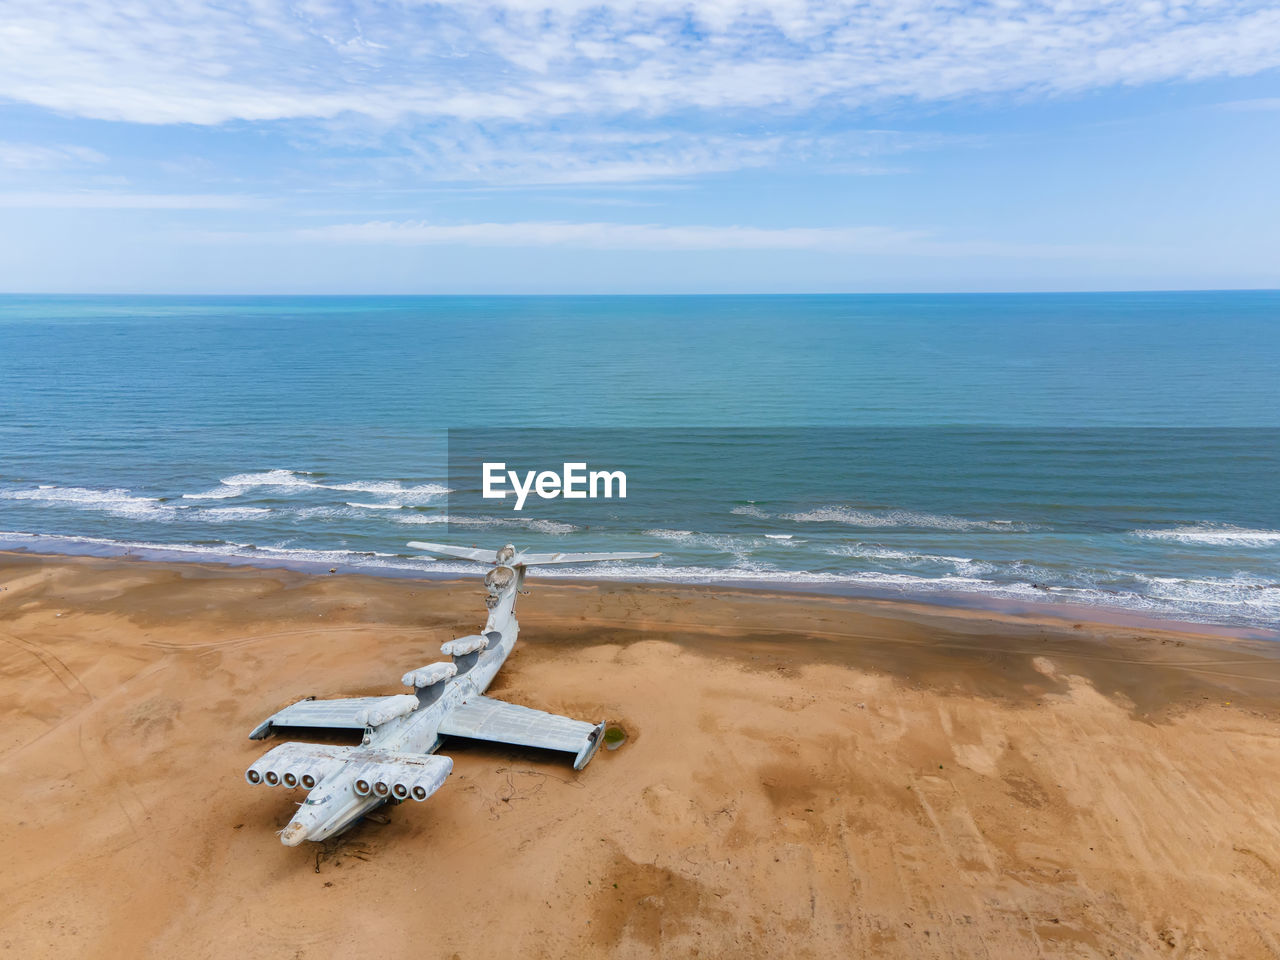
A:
1118,450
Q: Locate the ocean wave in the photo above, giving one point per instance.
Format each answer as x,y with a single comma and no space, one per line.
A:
874,552
1240,591
415,494
269,478
1214,534
897,518
1239,599
117,501
739,547
377,506
217,493
50,493
750,510
229,514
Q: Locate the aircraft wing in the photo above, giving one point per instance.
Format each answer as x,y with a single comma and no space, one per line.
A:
462,553
483,718
353,713
546,559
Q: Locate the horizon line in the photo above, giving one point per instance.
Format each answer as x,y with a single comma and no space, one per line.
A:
722,293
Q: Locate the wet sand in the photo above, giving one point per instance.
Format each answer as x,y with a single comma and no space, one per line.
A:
802,776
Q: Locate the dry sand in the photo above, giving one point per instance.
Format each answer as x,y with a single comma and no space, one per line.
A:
803,777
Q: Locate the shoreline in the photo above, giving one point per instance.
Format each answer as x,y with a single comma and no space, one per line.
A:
940,600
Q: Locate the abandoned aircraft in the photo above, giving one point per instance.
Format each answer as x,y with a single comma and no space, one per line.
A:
397,758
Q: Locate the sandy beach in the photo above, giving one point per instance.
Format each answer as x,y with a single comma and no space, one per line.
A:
802,776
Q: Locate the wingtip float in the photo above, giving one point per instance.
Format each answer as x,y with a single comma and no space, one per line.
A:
396,760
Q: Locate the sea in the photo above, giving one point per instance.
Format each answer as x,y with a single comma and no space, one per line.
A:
1118,452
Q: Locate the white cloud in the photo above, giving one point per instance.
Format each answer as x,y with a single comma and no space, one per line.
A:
517,155
623,236
203,62
30,156
1260,104
105,200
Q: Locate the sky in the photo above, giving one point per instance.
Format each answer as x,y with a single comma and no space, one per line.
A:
256,146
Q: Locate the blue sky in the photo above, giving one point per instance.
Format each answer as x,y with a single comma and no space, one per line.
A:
254,146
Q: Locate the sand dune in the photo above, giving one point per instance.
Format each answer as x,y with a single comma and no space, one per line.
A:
802,777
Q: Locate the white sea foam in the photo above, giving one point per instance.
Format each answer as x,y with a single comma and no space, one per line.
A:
778,536
377,506
896,518
750,510
50,493
326,513
1242,598
117,501
407,493
736,546
874,552
217,493
228,514
416,494
1214,534
1235,591
269,478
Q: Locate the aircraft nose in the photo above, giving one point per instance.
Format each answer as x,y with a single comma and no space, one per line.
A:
293,834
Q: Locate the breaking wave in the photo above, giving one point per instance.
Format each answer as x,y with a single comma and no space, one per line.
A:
1240,599
406,493
1214,534
873,552
897,518
229,514
117,501
217,493
739,547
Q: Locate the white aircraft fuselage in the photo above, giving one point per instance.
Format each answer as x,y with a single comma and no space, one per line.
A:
397,759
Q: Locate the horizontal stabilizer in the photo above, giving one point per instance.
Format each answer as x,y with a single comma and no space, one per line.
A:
353,713
462,553
483,718
546,559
